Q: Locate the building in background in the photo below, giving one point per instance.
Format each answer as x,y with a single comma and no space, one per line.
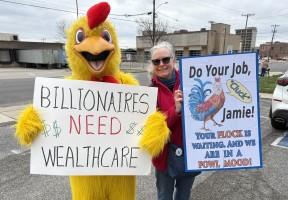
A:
218,40
128,55
277,51
248,41
8,37
6,54
11,46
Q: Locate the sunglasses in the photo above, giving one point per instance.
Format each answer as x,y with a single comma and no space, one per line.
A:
165,61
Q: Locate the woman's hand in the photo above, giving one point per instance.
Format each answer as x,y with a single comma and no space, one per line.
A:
178,96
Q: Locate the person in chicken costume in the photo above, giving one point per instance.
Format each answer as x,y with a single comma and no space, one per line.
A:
94,55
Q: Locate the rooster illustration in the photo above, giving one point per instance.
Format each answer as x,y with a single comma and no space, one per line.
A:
204,110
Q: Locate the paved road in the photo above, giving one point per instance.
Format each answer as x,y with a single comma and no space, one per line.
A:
268,183
257,184
278,66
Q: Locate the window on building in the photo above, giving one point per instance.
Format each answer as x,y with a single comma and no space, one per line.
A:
147,55
178,54
194,53
15,37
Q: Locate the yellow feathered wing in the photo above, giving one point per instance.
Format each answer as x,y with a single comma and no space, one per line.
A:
155,135
28,126
128,79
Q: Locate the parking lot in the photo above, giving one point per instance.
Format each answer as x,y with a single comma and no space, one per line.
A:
270,182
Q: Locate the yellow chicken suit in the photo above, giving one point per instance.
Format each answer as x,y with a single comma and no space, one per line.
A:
93,54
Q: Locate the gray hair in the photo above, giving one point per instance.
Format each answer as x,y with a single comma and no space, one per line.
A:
159,45
166,45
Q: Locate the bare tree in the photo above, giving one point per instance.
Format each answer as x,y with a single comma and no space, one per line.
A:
145,29
62,26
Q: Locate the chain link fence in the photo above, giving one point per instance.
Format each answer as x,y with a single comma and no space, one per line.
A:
133,61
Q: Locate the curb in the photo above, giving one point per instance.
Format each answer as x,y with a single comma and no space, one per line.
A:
265,96
10,114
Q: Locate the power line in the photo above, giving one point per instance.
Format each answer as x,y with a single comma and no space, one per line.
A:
218,8
68,11
172,21
26,4
61,4
271,16
127,20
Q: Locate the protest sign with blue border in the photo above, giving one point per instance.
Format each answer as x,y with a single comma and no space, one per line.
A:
220,112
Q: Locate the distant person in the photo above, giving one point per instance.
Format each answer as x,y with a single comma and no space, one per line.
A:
264,67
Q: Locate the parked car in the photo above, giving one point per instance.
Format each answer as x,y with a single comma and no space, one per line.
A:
279,107
266,58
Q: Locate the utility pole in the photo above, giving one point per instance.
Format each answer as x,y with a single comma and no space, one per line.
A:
244,41
224,40
77,8
153,24
274,31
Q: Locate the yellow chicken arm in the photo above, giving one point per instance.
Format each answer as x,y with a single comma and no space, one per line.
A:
28,126
127,78
155,135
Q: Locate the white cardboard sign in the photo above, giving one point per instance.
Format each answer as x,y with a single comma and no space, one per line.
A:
91,128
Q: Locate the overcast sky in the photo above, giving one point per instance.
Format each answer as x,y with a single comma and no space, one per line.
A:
35,20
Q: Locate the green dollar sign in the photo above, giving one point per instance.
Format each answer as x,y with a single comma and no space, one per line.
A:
47,128
140,131
131,128
57,129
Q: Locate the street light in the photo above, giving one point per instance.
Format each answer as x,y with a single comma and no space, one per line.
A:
153,22
161,5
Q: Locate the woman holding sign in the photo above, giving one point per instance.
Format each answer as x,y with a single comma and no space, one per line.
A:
167,79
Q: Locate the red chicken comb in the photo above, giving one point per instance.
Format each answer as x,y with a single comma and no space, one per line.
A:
98,14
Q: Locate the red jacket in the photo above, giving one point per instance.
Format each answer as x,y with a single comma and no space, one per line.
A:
166,104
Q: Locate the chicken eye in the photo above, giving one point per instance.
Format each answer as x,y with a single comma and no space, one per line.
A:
80,36
106,36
